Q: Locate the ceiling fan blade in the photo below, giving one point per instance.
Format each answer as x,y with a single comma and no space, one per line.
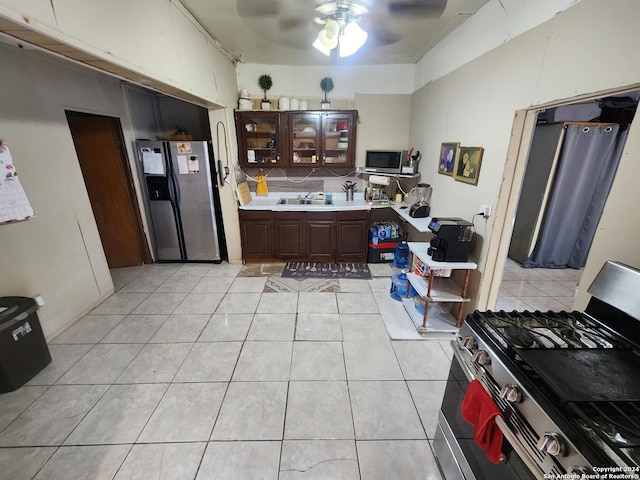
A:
261,8
383,37
292,23
418,8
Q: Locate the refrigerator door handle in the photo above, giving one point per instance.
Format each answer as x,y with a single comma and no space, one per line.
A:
174,192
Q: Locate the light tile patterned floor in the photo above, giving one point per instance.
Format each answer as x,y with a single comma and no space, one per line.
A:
537,288
194,372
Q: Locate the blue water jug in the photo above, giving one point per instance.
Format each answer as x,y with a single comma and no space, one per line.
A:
399,287
401,255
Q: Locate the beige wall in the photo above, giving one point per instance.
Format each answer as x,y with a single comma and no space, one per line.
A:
159,40
475,105
383,123
58,254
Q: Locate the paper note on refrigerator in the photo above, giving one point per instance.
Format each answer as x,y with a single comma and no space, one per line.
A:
152,162
194,164
183,164
14,204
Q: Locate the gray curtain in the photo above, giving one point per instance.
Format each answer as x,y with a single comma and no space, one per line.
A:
586,168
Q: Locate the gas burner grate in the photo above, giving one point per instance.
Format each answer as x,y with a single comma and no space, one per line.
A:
546,330
615,426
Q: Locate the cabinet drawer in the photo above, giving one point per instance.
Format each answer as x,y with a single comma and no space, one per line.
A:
255,215
288,216
353,215
314,216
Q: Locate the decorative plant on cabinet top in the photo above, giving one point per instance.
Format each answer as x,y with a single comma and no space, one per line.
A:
265,83
326,84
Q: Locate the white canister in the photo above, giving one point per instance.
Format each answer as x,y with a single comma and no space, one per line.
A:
294,104
304,105
283,103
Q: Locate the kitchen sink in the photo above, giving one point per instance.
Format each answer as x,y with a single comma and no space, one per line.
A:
304,201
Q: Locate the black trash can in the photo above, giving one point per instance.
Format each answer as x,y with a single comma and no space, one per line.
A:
23,349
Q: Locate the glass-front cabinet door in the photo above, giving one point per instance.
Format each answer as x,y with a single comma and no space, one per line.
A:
338,138
306,145
259,139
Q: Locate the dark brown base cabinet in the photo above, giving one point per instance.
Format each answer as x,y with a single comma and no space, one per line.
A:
320,228
289,235
353,231
256,233
304,236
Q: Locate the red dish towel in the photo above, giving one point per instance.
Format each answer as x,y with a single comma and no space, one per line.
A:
480,411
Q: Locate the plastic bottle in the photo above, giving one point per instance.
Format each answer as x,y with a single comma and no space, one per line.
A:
401,255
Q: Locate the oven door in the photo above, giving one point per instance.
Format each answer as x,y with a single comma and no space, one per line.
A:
459,456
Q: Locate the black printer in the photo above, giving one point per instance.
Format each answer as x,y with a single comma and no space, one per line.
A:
452,240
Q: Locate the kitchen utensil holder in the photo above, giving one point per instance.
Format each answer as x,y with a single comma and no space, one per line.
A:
349,192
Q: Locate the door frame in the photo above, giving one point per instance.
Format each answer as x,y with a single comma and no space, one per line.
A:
510,189
130,188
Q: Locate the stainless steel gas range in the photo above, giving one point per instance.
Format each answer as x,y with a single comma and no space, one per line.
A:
567,385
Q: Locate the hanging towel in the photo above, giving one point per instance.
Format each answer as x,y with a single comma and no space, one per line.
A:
480,411
261,187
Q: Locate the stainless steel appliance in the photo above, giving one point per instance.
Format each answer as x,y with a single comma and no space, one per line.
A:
184,204
385,161
421,208
452,239
565,382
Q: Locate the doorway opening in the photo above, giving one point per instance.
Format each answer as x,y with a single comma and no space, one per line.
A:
99,144
512,286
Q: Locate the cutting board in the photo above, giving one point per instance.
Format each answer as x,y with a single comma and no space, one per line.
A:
244,196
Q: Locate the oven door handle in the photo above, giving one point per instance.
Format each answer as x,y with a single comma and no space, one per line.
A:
456,353
515,444
502,425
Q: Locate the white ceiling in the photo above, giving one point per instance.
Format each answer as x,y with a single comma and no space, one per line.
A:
280,32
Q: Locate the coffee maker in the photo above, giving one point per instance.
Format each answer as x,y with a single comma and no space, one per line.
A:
421,208
452,240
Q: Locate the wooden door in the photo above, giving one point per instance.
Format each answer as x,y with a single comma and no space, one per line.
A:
105,168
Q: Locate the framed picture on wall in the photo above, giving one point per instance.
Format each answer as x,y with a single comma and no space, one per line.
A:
448,157
468,162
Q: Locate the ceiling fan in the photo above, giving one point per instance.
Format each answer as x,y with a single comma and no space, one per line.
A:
330,24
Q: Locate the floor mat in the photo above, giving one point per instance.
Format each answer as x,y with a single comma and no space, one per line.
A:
326,270
261,270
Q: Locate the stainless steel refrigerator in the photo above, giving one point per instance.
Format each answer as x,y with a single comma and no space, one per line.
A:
184,202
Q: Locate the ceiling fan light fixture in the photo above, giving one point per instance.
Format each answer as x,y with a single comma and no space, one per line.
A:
351,39
318,44
328,36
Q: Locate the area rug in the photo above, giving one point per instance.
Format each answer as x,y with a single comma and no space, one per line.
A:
261,270
326,270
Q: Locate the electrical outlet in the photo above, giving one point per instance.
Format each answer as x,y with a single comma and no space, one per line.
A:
485,210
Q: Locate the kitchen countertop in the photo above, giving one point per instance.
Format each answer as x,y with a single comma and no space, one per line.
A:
420,224
270,202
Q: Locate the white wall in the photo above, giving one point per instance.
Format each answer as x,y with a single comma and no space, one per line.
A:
348,80
160,40
475,105
383,123
57,254
497,22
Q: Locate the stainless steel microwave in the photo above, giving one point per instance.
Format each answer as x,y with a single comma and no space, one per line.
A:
385,161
